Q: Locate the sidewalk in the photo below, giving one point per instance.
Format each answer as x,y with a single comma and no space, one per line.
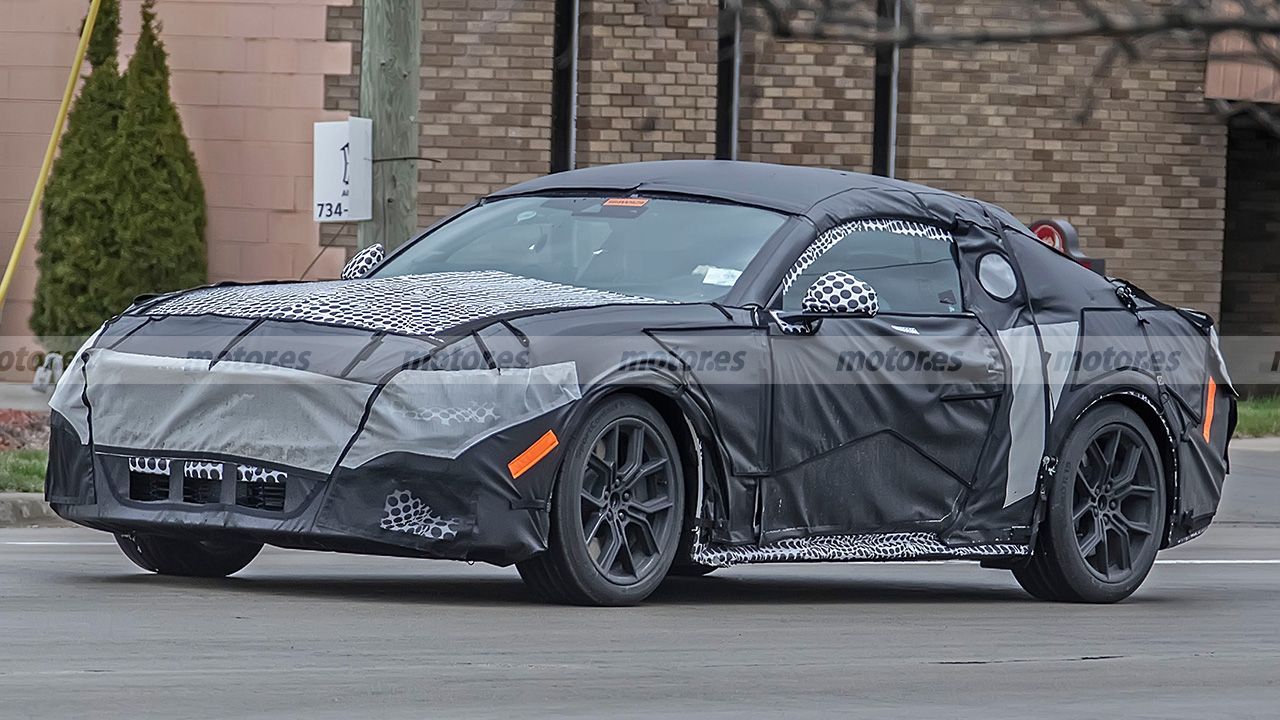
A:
20,396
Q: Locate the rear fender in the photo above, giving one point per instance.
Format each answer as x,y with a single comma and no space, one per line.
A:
1138,391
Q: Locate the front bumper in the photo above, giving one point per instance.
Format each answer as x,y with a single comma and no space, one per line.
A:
414,462
398,504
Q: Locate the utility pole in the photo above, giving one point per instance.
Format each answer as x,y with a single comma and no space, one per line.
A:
884,138
389,93
564,86
728,81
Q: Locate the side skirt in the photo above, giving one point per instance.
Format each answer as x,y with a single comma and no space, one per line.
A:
850,548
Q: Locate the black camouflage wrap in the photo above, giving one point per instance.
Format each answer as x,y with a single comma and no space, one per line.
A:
793,453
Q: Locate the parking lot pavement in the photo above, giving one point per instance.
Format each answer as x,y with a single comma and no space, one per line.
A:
325,636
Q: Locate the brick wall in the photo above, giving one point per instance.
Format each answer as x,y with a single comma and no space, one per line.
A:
806,103
1251,256
486,94
486,89
343,24
647,81
1143,178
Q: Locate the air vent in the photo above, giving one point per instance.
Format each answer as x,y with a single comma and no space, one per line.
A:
149,479
260,497
201,482
261,489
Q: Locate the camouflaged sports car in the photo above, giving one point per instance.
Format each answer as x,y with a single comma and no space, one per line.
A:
610,375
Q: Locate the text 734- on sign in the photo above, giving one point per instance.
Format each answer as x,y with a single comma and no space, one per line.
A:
343,171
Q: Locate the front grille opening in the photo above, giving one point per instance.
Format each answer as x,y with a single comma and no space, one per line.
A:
261,496
260,488
201,482
148,479
148,487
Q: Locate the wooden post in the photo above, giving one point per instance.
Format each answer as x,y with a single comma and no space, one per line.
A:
389,95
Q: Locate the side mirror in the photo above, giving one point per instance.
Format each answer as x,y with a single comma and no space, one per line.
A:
363,262
839,292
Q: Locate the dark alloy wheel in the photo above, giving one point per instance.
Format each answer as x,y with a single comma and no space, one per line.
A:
1106,512
190,558
617,510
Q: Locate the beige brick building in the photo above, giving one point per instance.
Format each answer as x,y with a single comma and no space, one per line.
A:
1174,197
249,82
1144,176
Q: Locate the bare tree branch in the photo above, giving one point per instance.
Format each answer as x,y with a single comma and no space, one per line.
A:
856,22
1128,26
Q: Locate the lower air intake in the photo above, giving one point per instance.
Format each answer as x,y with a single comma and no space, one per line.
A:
149,479
201,482
261,489
260,497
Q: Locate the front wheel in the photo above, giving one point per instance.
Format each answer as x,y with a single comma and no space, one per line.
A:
616,511
189,558
1105,514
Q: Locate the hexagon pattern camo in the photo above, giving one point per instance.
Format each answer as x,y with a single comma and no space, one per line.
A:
407,514
409,304
475,413
839,548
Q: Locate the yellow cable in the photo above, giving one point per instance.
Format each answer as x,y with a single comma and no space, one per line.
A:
50,151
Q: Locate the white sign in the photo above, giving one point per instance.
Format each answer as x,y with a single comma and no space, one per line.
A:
343,176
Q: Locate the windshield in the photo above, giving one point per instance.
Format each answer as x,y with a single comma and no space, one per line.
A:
680,250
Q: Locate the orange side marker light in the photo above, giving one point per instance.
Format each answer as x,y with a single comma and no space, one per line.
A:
530,457
1208,408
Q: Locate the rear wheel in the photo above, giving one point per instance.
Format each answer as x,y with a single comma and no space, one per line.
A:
1105,515
190,558
616,512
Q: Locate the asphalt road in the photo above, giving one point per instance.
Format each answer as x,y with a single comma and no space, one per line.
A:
83,633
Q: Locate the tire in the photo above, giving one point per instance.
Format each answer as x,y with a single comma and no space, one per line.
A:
188,558
608,487
1105,515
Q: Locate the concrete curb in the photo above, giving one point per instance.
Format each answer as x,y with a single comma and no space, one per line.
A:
27,510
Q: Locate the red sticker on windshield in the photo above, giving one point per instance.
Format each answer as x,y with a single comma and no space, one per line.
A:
626,202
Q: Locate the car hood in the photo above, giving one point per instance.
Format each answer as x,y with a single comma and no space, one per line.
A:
420,305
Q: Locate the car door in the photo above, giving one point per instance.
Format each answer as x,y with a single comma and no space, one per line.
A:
878,422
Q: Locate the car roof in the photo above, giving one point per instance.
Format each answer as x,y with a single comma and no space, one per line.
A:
827,197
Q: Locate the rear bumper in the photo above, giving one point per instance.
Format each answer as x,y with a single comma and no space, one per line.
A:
399,504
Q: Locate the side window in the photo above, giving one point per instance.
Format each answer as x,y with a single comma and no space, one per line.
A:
911,266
